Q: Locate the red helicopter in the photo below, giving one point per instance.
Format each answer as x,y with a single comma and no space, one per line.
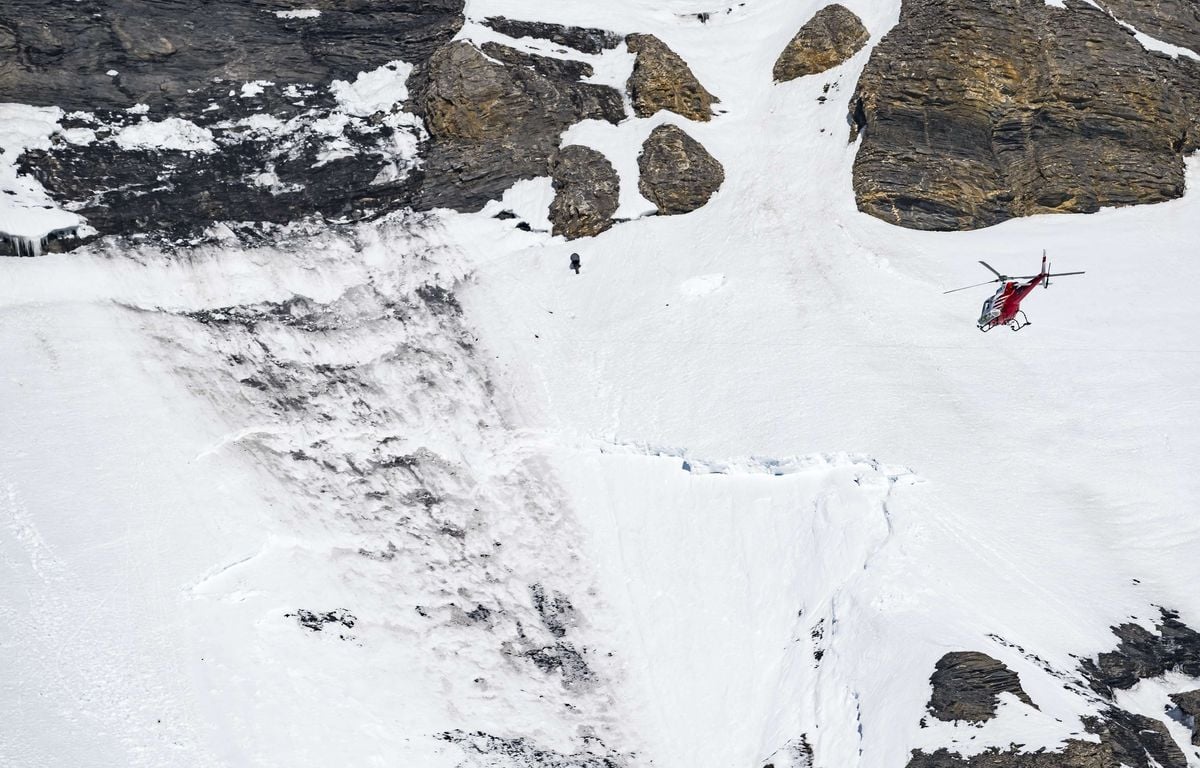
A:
1004,306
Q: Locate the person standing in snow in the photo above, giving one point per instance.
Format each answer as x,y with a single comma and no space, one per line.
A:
575,262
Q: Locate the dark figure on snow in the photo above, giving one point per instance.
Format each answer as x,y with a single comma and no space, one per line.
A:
575,262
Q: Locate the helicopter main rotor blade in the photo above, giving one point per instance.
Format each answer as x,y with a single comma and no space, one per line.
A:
992,269
965,287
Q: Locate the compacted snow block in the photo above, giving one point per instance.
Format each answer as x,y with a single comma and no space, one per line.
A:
662,80
830,37
678,174
586,192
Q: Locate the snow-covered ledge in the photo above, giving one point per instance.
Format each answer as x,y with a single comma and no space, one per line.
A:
29,219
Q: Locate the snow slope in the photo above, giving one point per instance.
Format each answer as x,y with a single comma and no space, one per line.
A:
1053,465
771,472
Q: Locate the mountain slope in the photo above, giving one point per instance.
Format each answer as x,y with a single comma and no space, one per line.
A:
413,492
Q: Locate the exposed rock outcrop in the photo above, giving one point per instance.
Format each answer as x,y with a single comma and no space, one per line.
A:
677,173
582,39
663,80
1173,21
561,69
1184,76
976,111
492,125
182,114
830,37
1125,738
1143,654
1189,704
967,685
586,192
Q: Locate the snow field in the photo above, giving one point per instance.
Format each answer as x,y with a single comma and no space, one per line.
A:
1054,463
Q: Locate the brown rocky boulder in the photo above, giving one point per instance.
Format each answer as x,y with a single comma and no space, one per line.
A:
586,192
677,173
967,686
830,37
975,111
662,80
491,125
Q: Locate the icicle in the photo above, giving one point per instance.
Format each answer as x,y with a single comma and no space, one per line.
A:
25,246
36,246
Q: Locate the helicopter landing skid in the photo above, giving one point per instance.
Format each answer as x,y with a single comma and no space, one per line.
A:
1017,322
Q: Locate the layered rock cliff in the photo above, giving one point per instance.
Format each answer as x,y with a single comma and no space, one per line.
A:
182,114
973,113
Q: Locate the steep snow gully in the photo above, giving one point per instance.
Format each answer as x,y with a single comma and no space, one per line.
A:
412,492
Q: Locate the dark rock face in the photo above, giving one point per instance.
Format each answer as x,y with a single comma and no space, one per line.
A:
1143,654
1173,21
586,192
678,174
560,69
252,176
1189,704
279,147
1137,739
830,37
972,113
492,125
582,39
1184,76
662,80
967,685
167,52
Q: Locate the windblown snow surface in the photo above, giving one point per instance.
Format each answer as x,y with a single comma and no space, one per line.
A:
415,494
